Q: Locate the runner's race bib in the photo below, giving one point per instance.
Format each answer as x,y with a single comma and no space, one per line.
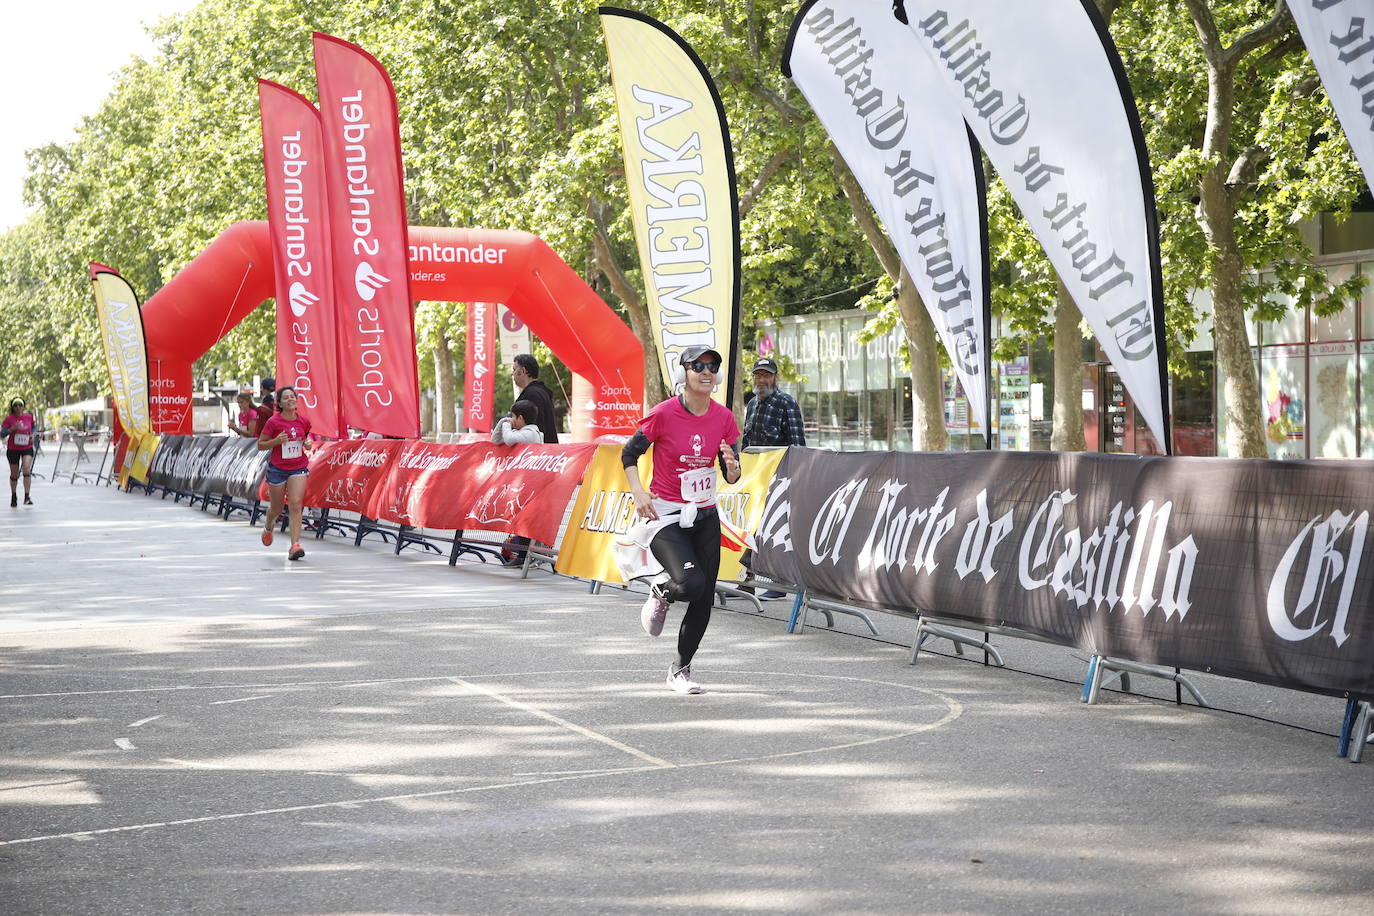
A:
19,440
699,486
291,448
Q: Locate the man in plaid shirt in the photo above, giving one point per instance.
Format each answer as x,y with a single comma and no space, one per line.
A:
772,417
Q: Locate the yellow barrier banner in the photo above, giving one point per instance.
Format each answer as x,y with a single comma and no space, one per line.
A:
604,510
143,459
741,503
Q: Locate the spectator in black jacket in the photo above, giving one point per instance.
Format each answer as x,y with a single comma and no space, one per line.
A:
525,373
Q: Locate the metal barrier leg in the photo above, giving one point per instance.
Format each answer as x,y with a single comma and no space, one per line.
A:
1352,709
727,591
1099,664
926,629
1093,682
1364,722
796,611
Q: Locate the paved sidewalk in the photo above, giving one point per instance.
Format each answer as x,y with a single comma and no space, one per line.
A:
189,723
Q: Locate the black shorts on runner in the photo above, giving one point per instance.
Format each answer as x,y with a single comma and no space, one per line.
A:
14,454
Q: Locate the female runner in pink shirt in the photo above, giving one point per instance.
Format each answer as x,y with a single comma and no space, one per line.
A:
690,433
287,434
17,431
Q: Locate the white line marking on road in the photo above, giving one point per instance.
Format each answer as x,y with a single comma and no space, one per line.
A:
143,722
953,711
125,744
352,803
190,763
550,717
240,700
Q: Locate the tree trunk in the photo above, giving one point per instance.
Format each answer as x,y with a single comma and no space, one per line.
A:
1216,215
1241,395
443,387
928,431
1067,435
654,388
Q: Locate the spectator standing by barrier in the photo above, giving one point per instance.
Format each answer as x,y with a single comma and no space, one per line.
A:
690,434
772,417
520,427
249,420
17,431
525,374
287,435
266,410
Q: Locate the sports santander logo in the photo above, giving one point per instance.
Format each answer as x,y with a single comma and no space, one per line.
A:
301,299
367,281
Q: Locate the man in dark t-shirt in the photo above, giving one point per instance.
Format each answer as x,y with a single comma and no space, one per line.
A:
525,373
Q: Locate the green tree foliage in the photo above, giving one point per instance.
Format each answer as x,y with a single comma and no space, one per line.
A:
508,122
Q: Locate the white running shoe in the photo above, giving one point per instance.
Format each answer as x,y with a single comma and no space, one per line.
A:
655,611
680,679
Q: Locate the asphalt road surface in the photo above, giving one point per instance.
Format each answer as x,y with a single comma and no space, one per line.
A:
191,724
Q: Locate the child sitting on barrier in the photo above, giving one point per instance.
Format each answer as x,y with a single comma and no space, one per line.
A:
519,427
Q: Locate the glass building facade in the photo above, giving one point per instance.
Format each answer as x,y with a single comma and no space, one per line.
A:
1316,378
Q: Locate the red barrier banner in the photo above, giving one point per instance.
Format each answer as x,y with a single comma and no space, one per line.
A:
520,489
480,383
378,379
344,475
298,217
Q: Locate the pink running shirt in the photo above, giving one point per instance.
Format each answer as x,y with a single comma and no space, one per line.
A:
289,455
21,431
684,442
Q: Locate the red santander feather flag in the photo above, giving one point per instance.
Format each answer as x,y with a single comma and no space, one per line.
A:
378,378
298,220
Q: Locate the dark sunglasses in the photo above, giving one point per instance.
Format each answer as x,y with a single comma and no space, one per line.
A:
701,365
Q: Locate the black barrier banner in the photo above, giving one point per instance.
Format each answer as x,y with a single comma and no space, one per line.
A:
238,460
209,464
186,466
1253,569
159,472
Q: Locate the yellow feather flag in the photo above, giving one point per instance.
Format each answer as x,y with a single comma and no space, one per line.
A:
683,198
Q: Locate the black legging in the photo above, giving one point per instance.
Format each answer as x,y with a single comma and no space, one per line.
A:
677,547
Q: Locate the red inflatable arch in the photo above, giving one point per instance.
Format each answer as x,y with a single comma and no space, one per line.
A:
214,292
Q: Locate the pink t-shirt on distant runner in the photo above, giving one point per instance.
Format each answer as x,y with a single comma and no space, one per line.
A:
289,455
21,431
684,442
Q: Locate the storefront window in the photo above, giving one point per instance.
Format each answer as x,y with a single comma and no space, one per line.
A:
1333,367
1013,406
1194,425
1367,400
902,437
810,404
1367,302
1291,328
1340,326
854,353
879,412
1283,388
